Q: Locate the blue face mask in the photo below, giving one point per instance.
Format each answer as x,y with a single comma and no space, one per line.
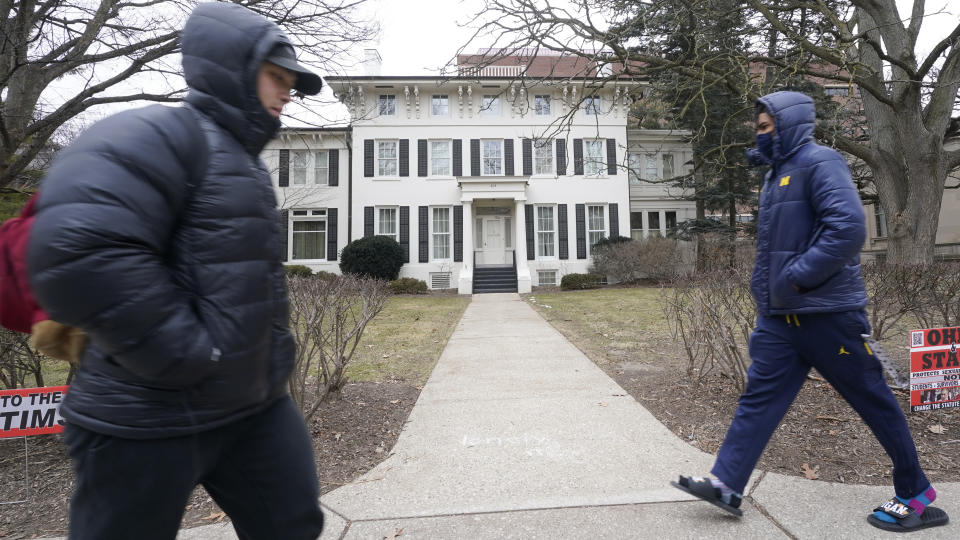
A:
765,145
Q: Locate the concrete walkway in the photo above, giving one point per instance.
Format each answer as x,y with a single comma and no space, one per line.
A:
517,434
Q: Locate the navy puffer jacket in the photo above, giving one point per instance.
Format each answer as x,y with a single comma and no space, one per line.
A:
157,234
811,226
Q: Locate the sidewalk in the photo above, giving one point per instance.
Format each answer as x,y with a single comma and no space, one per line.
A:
518,435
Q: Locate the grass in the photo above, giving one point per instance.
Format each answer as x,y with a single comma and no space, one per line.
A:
405,340
611,325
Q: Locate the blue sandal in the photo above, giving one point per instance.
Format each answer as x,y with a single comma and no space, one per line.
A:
703,489
907,518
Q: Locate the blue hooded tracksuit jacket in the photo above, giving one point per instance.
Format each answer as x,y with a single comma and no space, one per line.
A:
810,298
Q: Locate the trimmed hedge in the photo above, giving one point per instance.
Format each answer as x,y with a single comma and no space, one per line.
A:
378,257
298,270
580,281
324,275
408,285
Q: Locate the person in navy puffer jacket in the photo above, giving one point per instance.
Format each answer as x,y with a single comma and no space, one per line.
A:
157,234
810,299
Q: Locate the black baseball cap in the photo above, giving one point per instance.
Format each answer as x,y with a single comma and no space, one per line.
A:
308,82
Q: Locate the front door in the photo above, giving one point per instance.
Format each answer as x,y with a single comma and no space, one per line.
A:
492,248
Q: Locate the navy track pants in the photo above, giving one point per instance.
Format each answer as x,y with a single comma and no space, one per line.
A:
783,348
260,470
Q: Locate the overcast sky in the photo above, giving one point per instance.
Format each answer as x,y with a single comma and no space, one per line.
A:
418,37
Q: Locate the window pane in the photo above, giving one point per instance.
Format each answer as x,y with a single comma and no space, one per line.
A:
299,167
541,105
439,106
634,163
320,161
441,220
543,156
388,105
595,218
654,220
593,164
440,158
671,220
492,159
545,235
309,239
651,173
507,233
668,165
591,106
388,222
386,158
490,106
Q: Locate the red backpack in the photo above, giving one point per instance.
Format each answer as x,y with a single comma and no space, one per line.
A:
18,308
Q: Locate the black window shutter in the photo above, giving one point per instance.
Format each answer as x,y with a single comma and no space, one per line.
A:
614,220
368,157
458,233
527,157
367,221
284,168
528,213
423,237
561,157
474,157
581,231
611,157
405,232
508,157
333,167
458,157
421,157
285,233
578,156
331,234
563,252
404,157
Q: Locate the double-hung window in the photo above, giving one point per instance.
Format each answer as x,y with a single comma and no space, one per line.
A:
440,233
636,225
541,105
593,157
592,106
321,167
491,157
387,158
299,167
440,105
546,229
439,158
596,224
387,222
543,156
490,106
387,105
880,220
309,232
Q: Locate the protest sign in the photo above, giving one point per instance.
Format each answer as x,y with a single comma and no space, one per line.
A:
934,369
31,411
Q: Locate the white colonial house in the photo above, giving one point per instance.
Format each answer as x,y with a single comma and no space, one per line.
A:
489,183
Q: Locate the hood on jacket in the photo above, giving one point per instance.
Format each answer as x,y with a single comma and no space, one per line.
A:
223,46
794,118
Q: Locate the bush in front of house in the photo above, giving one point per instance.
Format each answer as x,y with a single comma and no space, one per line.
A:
612,241
324,275
572,282
298,270
378,257
408,285
658,259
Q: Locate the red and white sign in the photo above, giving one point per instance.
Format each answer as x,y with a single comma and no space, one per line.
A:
31,411
934,369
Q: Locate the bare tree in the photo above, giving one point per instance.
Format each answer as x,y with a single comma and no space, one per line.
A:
328,317
109,51
862,45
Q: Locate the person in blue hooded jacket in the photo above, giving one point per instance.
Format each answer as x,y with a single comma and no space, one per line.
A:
810,298
157,234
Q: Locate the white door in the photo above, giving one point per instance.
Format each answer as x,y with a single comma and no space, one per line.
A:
492,248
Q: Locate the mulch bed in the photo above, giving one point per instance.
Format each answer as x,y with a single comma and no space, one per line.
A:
351,435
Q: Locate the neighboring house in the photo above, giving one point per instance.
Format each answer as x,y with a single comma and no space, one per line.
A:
488,182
